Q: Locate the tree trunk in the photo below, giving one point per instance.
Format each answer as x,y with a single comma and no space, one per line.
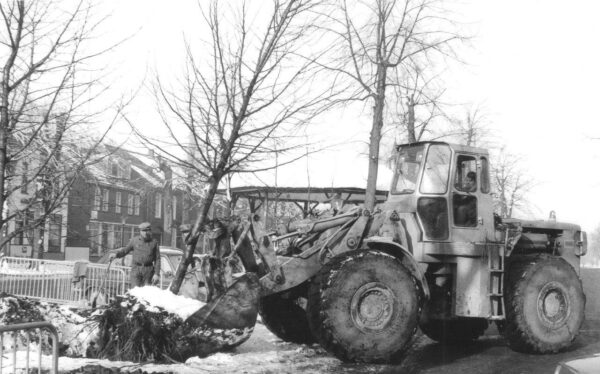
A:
375,139
4,124
410,125
194,235
168,203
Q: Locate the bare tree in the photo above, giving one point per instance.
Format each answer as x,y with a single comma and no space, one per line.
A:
472,126
511,184
245,94
592,258
419,103
380,39
45,93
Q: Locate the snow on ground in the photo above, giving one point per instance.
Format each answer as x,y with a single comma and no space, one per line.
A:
263,353
175,304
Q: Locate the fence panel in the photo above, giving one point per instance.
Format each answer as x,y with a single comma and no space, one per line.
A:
65,282
18,346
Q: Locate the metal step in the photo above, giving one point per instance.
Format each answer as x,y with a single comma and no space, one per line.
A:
496,257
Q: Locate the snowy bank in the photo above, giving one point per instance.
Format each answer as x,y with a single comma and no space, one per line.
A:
165,299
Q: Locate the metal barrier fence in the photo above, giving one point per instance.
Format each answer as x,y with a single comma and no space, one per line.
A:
64,282
19,357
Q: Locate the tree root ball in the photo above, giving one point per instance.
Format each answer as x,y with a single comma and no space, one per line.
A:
146,324
131,329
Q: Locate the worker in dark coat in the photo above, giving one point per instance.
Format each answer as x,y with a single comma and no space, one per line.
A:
145,262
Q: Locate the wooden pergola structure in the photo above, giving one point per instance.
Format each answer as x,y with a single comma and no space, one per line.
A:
306,198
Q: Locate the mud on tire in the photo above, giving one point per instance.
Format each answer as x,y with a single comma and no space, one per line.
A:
284,315
364,306
544,304
461,330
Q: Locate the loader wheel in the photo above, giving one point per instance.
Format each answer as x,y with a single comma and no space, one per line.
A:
364,306
461,330
544,304
285,316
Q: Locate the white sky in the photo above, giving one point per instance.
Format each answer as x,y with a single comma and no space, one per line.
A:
534,66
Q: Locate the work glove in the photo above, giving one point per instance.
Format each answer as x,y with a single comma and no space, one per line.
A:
155,279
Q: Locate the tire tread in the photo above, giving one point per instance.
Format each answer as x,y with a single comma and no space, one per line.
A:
516,331
322,326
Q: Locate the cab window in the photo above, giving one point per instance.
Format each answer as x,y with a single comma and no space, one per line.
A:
408,167
485,175
433,213
437,169
465,179
464,201
465,210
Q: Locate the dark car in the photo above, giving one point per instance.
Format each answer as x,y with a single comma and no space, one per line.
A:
581,365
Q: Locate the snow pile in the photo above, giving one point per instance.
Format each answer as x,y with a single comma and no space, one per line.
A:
168,301
281,360
75,332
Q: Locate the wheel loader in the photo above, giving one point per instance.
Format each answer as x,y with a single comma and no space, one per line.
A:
434,256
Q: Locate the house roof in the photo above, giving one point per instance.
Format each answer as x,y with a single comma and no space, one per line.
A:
144,174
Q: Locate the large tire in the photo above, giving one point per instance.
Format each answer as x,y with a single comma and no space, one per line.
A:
544,304
461,330
284,315
364,306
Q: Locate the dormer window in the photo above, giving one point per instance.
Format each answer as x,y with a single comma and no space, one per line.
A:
119,169
114,169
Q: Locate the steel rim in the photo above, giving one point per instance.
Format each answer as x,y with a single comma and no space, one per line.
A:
372,307
553,304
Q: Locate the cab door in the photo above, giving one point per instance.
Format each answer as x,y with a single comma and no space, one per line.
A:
466,199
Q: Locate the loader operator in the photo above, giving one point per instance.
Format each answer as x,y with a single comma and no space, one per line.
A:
466,206
145,262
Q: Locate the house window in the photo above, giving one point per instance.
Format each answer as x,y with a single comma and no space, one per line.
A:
127,234
24,177
118,230
97,198
157,205
137,205
54,233
24,233
114,169
104,236
105,199
118,202
174,207
130,204
126,171
95,238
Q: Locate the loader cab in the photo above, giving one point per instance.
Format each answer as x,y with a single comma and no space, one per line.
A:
447,186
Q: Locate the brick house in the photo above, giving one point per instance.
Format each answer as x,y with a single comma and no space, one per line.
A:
104,207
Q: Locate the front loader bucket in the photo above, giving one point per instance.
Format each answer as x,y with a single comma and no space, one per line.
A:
224,323
237,308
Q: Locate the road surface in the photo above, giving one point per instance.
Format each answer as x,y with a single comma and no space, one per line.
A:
264,353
